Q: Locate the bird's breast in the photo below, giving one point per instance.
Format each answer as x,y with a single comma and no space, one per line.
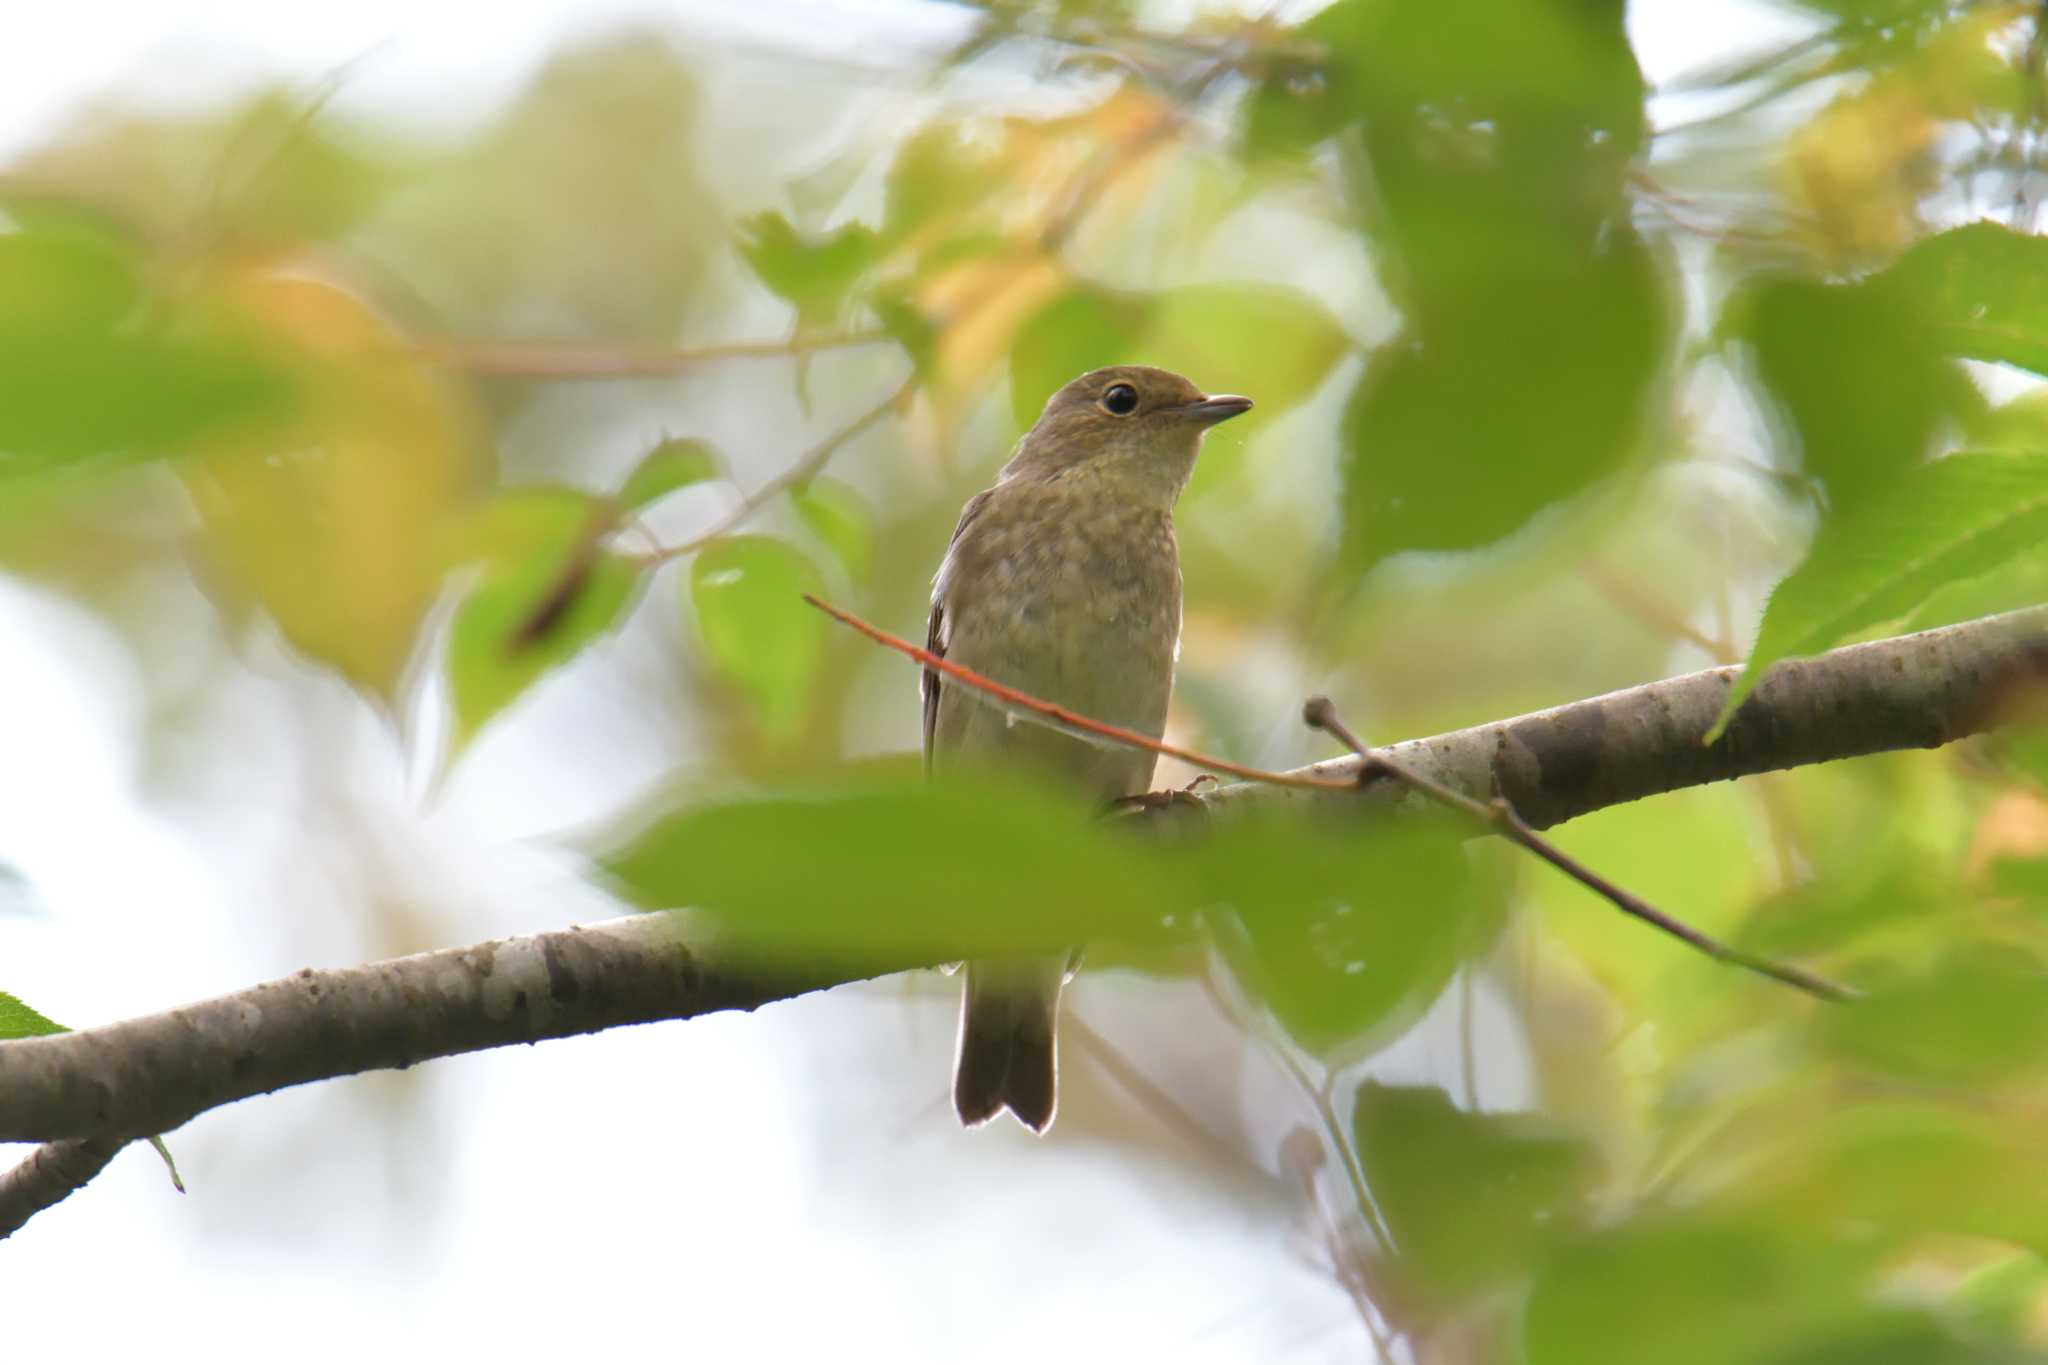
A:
1075,603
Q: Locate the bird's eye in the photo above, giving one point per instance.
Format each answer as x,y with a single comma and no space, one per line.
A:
1121,399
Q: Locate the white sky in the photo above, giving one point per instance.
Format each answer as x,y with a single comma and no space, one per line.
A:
653,1191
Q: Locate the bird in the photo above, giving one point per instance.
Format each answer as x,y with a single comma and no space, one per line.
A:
1062,580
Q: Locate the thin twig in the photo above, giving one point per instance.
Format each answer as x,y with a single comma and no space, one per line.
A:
1098,174
2026,139
802,472
1163,1106
1071,721
573,360
1656,614
1500,817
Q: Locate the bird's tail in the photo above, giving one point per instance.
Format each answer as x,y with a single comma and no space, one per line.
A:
1007,1058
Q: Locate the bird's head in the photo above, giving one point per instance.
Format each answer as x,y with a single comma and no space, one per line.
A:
1134,424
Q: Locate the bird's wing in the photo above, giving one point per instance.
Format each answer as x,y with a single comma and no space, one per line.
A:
936,633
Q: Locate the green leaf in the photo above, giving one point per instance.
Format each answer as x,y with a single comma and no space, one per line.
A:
1854,374
842,519
917,334
1491,146
1531,382
95,368
545,591
1981,290
18,1019
890,874
758,632
1469,1200
937,172
1904,1171
1348,932
1936,524
816,274
1692,1291
520,523
1976,1019
523,620
676,463
2000,1301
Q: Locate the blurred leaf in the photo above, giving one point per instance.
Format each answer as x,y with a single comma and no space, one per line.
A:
1469,1200
898,874
535,608
1498,62
1860,167
1693,1291
2016,737
18,1019
2002,1301
1905,1171
1982,292
911,329
2027,877
937,174
1937,523
515,524
1351,929
815,274
1496,138
676,463
270,172
842,519
757,630
1083,329
582,210
1888,891
1976,1019
97,365
1854,373
1517,395
980,301
336,521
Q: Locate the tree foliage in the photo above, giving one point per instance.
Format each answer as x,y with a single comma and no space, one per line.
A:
1556,393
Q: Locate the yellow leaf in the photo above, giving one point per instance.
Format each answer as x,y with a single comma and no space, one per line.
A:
333,522
981,303
1861,167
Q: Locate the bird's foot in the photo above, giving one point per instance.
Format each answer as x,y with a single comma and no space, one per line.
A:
1180,796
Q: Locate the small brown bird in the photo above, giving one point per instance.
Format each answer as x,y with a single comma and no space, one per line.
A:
1063,580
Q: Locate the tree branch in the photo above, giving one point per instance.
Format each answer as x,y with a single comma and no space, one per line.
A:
1913,692
151,1074
89,1091
616,360
49,1175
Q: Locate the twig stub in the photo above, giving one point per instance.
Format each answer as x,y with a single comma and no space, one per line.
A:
1500,816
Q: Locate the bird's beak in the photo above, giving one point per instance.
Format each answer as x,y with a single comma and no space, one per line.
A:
1216,408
